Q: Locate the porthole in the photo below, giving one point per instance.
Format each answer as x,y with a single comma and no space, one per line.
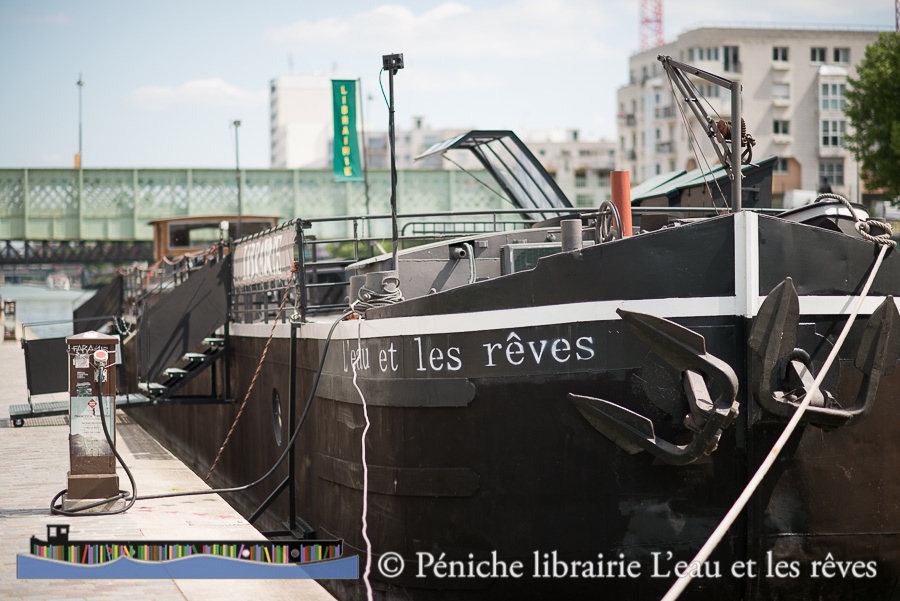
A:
276,415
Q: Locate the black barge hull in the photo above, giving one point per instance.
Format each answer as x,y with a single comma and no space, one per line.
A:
478,457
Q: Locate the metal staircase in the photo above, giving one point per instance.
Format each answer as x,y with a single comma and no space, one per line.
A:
191,365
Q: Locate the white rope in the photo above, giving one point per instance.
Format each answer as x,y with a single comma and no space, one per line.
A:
365,492
679,585
367,299
471,252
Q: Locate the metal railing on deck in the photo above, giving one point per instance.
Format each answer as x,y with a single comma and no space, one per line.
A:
323,251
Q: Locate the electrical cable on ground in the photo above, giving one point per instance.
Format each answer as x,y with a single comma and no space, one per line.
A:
262,358
58,510
278,462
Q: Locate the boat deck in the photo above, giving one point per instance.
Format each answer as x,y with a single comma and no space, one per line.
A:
34,465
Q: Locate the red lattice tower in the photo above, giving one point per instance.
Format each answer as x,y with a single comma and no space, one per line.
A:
652,24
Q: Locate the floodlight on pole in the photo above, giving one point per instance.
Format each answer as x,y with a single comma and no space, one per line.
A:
80,85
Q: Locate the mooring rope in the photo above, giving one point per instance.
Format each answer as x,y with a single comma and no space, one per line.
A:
719,533
864,225
367,299
262,358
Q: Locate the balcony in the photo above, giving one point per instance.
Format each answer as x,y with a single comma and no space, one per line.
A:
664,112
664,147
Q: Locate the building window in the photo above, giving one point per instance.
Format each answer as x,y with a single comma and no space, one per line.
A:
842,56
817,55
780,54
781,167
832,170
581,178
704,54
832,132
833,96
584,200
780,126
731,64
781,90
708,90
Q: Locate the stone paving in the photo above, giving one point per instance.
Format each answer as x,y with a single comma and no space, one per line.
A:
33,465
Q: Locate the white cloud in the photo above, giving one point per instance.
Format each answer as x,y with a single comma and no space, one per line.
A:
199,94
519,29
683,15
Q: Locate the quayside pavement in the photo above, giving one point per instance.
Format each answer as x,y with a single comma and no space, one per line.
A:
33,464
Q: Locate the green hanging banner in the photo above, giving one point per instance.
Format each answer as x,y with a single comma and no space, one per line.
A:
346,142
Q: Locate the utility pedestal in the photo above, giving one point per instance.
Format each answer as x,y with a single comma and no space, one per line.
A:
92,380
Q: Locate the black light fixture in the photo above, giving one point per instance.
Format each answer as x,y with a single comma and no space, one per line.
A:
392,63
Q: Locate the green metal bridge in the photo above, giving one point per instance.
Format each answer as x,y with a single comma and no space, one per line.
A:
89,215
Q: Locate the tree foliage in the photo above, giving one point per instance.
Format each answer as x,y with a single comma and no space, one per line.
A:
873,107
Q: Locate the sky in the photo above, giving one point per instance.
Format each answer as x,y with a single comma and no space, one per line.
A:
165,80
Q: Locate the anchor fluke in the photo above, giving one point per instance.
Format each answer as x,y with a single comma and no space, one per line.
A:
783,374
685,350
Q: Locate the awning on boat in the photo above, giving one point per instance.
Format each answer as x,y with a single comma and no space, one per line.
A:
521,176
688,188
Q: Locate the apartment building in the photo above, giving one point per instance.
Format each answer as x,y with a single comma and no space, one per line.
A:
300,118
793,80
581,167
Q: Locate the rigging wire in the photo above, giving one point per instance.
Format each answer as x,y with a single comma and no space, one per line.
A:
696,144
475,177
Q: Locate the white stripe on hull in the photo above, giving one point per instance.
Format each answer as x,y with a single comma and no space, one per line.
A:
726,306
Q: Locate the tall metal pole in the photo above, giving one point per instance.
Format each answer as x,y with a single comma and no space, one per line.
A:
736,183
394,233
392,63
80,85
237,174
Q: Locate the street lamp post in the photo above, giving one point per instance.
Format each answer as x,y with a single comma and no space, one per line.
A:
80,85
237,173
